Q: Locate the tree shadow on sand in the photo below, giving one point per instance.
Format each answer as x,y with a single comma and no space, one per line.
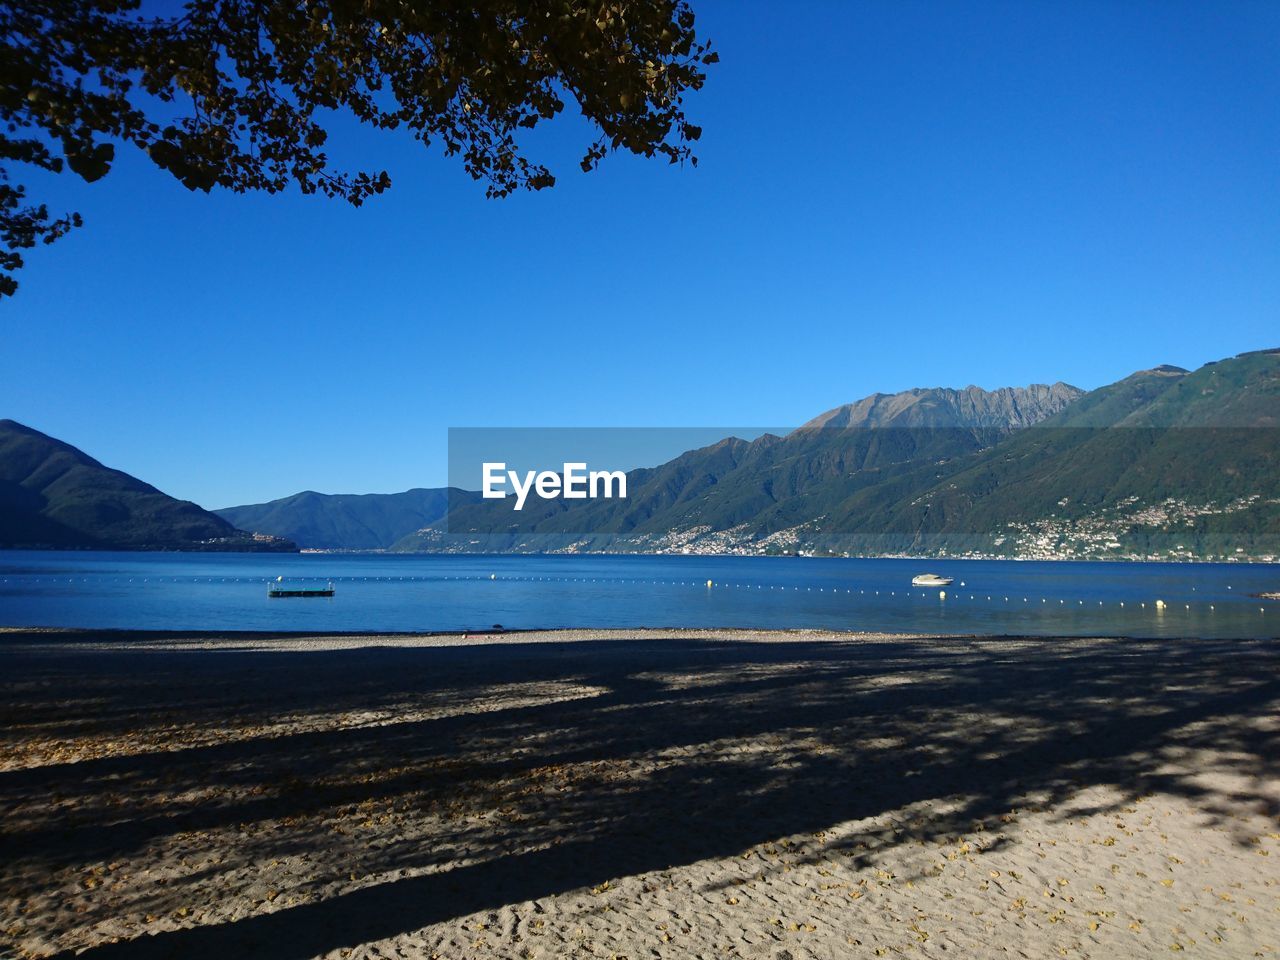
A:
641,755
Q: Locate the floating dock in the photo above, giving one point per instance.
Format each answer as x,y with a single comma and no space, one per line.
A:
278,588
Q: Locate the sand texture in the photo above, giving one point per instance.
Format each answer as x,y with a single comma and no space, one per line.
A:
637,794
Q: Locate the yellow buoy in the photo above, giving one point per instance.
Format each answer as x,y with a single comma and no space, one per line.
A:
708,583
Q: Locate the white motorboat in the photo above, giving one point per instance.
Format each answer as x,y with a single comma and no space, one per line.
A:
931,580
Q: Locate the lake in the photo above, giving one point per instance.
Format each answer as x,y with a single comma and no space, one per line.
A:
397,592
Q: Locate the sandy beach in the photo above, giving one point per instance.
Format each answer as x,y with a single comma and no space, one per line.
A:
637,794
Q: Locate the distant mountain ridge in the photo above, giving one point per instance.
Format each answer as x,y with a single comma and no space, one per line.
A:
1165,463
1006,407
369,521
54,495
734,482
391,521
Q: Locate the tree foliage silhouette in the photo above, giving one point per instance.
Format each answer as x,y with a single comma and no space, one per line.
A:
237,93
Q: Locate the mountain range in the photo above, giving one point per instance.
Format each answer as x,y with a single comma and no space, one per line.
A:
344,521
393,521
1164,464
55,496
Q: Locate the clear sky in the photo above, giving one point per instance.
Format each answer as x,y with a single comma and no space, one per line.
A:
890,195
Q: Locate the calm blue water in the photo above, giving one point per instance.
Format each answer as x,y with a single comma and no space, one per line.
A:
399,592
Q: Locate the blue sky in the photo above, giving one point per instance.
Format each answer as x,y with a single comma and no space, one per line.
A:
890,195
